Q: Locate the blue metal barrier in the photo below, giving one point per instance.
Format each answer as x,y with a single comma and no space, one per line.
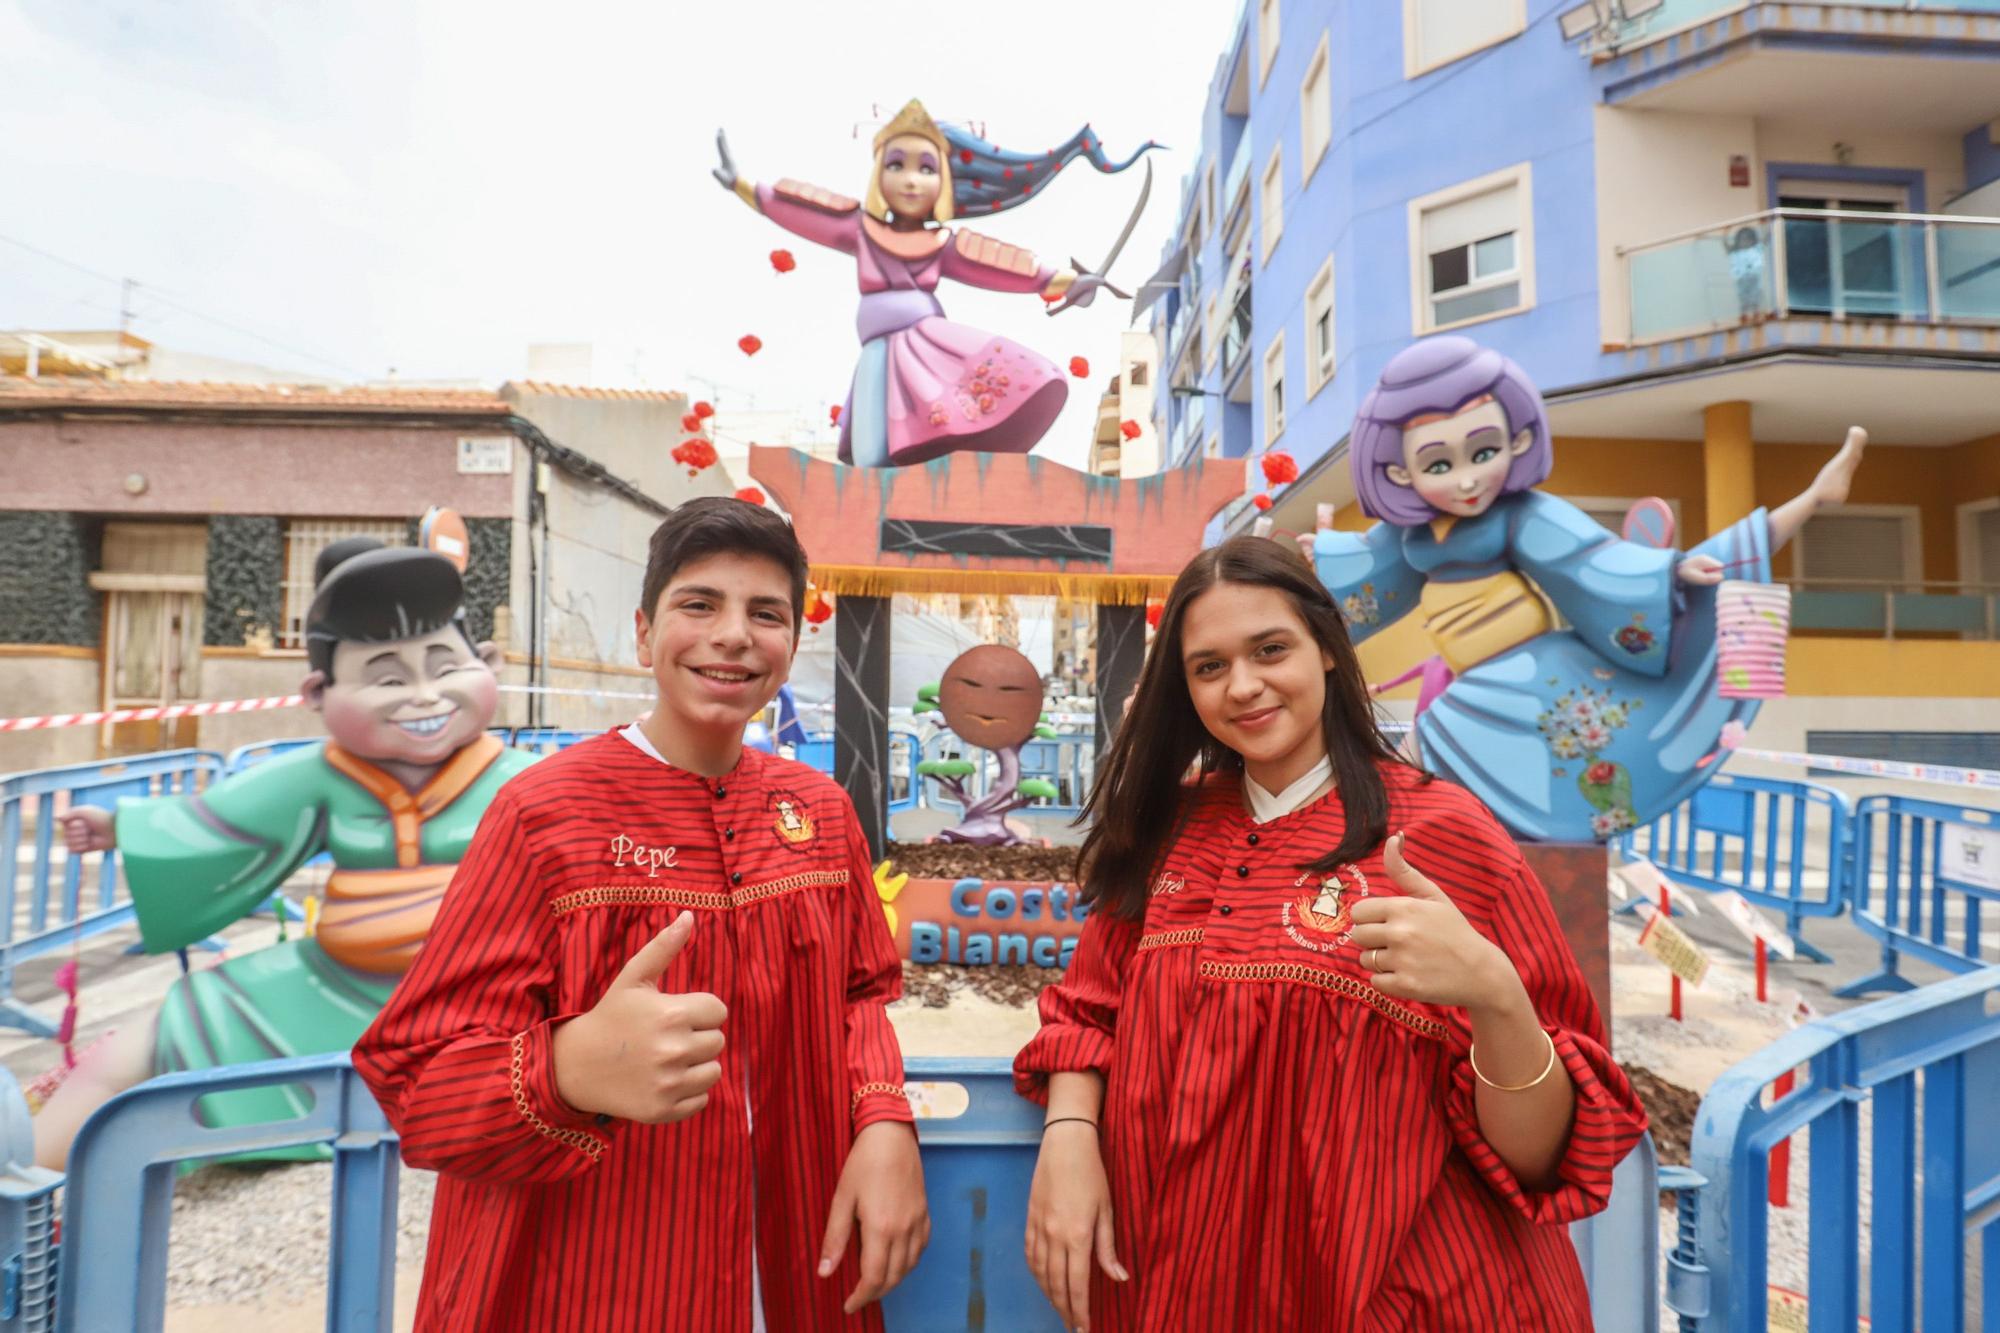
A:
249,756
1926,1063
120,1191
1767,839
547,740
978,1166
56,914
1907,881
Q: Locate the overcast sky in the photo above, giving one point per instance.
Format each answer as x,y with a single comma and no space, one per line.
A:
433,186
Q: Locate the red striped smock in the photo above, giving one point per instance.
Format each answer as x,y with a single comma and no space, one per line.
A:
1289,1148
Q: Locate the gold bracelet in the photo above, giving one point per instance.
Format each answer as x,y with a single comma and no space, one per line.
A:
1472,1058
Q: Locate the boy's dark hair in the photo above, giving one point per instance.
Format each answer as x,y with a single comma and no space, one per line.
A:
722,525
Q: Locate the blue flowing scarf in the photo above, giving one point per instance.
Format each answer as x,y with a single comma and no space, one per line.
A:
986,179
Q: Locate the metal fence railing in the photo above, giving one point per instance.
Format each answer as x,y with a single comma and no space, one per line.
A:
1923,873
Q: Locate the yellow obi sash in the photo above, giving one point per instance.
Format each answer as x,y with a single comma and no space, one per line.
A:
375,920
1478,619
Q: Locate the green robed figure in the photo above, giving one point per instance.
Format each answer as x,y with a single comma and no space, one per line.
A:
394,794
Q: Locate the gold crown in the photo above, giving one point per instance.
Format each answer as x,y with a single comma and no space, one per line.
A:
912,119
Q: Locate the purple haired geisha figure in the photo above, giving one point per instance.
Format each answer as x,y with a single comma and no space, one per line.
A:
1578,691
926,386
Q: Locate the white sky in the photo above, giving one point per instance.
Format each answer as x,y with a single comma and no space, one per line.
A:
433,186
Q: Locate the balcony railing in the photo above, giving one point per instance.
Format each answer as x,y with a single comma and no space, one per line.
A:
1236,336
1920,267
1895,607
1676,14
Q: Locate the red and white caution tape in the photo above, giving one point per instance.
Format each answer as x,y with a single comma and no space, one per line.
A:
1946,775
159,712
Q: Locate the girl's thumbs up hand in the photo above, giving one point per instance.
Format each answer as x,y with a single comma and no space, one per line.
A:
1417,945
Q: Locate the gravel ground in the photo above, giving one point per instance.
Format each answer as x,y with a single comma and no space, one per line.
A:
954,860
258,1234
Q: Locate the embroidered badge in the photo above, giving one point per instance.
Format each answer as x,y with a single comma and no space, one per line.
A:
792,818
1321,917
1168,884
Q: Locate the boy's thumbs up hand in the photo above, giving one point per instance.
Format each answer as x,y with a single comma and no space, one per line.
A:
643,1054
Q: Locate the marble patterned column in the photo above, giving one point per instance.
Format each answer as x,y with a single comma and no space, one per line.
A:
861,711
1121,651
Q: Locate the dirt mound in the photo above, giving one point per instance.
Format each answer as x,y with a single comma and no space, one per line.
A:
957,860
1671,1108
932,984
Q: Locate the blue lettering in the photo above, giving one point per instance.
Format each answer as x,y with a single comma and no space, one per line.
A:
951,945
963,901
1045,951
1069,947
1000,903
1058,899
926,942
1015,945
1031,904
978,950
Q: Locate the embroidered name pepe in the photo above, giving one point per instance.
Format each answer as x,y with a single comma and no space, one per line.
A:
650,859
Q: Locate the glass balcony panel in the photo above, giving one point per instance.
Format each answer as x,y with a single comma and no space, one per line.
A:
1968,260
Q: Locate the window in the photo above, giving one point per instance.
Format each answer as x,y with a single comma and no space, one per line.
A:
1273,196
1315,113
1274,390
1319,329
1135,374
1210,334
1474,251
1979,542
305,538
1267,38
1860,544
1437,32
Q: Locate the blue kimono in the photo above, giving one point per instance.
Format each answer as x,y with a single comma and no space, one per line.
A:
1585,698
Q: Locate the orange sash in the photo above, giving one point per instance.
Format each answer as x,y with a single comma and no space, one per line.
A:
375,920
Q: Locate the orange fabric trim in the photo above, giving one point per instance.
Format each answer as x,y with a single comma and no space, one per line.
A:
408,811
905,244
670,895
1167,939
589,1144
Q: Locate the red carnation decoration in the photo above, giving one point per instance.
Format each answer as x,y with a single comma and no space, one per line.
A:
1079,367
1280,468
820,611
1007,173
690,423
1261,500
1129,429
703,410
833,414
750,495
751,344
782,261
965,156
694,455
1154,610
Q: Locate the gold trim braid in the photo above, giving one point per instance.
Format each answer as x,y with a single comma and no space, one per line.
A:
867,1088
1167,939
589,1144
671,895
1337,982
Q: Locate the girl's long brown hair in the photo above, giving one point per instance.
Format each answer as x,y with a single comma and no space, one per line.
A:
1140,801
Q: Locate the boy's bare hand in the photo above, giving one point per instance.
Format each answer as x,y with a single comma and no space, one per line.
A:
643,1054
882,1188
87,828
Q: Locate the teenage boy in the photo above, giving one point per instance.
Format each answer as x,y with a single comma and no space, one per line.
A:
646,1046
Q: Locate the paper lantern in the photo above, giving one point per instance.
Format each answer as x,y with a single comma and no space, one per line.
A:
690,423
1280,468
1079,367
694,455
703,410
750,495
1154,610
833,414
782,261
1129,429
751,344
1261,500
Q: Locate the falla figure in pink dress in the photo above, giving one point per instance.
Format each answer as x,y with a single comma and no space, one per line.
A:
925,386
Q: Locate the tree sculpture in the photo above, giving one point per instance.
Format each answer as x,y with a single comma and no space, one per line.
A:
991,697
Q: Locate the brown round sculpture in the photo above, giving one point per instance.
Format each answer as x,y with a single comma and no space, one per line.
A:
991,696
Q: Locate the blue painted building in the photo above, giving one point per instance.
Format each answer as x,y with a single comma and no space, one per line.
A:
1716,234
